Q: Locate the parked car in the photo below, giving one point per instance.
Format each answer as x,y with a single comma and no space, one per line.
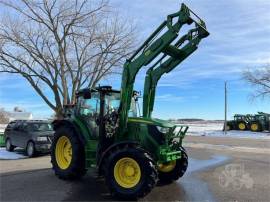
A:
35,136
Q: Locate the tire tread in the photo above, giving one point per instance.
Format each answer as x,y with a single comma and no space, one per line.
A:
149,182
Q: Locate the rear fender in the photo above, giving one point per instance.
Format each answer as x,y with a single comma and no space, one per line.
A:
67,123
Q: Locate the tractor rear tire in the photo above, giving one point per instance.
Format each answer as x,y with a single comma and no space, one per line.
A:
67,154
173,170
241,126
130,173
255,127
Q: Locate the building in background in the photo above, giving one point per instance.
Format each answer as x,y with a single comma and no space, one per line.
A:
19,116
16,114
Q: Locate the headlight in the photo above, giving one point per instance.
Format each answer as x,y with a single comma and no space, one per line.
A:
41,139
163,130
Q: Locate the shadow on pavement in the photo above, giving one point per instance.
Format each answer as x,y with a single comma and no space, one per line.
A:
43,185
89,188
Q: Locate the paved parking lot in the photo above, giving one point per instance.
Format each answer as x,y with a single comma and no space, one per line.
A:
214,174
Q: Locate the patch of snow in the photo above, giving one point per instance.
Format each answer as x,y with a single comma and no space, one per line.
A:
215,129
6,155
226,147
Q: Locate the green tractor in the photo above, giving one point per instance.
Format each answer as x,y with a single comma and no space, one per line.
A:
259,122
240,122
103,129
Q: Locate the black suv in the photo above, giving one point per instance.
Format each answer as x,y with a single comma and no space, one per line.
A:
35,136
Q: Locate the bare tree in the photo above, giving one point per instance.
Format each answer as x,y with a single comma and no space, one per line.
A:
59,46
260,79
3,117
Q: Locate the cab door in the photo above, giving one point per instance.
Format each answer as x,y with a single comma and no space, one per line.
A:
89,112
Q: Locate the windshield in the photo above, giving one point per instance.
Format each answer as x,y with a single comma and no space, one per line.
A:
40,127
112,103
90,107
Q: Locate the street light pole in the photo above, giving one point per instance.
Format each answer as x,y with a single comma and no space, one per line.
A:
225,123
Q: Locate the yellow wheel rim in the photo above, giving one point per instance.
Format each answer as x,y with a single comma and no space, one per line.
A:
127,172
167,167
254,127
242,126
63,152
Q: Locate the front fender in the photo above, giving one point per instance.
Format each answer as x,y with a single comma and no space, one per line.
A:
68,123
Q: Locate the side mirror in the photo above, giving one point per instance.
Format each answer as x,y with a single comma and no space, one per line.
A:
86,93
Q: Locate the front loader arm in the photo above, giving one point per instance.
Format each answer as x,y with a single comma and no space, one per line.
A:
158,42
153,75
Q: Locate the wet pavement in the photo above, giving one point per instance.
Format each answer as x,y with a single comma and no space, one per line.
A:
212,175
42,185
190,187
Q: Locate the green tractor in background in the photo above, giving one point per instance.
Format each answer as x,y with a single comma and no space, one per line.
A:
104,130
259,122
240,122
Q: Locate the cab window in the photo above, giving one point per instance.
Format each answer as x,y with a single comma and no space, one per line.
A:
89,110
112,102
90,107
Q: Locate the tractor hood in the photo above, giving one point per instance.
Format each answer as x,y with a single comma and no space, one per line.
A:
151,121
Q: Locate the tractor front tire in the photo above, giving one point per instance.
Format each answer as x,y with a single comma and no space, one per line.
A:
173,170
241,126
67,154
130,173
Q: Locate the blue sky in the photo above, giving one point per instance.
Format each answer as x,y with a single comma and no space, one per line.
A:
239,39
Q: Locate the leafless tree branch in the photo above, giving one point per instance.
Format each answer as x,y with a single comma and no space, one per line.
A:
62,46
260,79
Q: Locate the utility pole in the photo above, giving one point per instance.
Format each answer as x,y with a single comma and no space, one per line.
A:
225,92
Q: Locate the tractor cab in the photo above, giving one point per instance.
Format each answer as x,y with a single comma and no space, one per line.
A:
239,117
99,108
103,99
